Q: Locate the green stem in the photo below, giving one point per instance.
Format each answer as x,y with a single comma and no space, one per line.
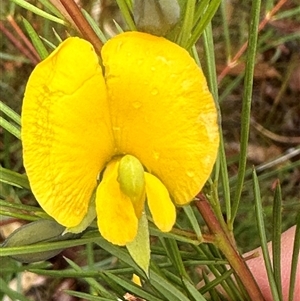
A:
224,244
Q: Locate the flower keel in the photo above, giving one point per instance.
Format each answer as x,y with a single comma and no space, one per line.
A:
117,220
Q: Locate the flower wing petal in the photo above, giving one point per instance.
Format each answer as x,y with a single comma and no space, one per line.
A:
117,221
163,113
161,207
66,130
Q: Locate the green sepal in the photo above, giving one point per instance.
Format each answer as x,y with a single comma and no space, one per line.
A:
139,248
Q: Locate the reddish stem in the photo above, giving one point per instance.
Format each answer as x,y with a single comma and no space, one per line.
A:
25,40
262,24
16,42
224,244
82,24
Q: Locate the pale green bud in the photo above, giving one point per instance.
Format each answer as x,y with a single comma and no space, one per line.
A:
40,231
131,178
157,17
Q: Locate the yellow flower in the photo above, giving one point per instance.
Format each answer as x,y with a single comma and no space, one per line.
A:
79,121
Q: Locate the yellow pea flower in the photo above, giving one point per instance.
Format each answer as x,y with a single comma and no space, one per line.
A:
79,121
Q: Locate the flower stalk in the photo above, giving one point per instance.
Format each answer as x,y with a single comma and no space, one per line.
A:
223,242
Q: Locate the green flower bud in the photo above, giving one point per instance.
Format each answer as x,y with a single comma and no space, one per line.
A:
157,17
40,231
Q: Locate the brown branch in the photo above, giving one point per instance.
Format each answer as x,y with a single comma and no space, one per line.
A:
82,24
262,24
273,136
21,34
224,244
16,42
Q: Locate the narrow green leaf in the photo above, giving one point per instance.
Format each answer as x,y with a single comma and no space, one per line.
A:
200,10
173,254
46,246
129,4
276,237
205,20
13,178
17,268
126,14
37,11
119,253
177,236
114,285
20,216
36,41
221,162
228,89
17,205
11,293
91,281
139,248
187,24
131,287
263,238
295,259
196,295
47,4
85,296
10,113
168,290
193,220
118,27
246,105
217,281
14,130
95,26
15,58
225,12
50,44
288,13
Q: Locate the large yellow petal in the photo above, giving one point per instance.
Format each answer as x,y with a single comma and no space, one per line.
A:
162,110
117,221
159,202
66,130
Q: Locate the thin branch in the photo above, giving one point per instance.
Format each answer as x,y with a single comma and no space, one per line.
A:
273,136
224,244
262,25
16,42
21,34
82,24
